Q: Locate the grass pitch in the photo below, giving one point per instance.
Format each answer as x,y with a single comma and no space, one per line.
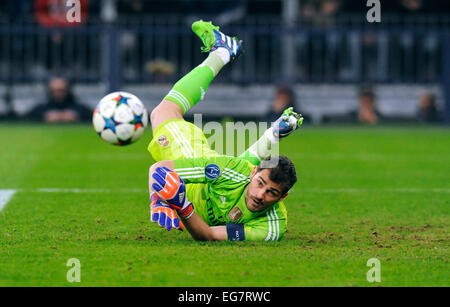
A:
363,193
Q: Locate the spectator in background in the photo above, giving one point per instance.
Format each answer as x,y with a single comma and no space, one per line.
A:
428,112
61,105
320,13
160,70
367,113
412,5
284,98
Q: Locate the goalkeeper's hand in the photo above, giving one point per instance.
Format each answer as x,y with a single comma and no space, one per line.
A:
163,214
171,188
287,123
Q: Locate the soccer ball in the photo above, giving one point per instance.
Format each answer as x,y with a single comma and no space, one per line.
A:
120,118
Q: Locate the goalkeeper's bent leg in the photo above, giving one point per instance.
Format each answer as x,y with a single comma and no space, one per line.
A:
189,90
192,88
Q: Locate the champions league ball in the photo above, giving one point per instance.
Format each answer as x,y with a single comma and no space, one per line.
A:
120,118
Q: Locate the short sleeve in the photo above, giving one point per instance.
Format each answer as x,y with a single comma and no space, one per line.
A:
270,227
212,169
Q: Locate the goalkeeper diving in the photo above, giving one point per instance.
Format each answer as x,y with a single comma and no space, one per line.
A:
213,196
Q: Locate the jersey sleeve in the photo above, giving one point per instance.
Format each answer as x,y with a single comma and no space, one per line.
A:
251,156
260,150
270,227
213,169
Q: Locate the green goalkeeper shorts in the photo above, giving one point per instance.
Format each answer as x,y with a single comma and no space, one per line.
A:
178,139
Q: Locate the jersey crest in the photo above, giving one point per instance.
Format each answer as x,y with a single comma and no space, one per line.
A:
212,171
235,214
163,141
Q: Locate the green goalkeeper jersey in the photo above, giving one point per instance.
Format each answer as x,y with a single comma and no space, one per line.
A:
216,186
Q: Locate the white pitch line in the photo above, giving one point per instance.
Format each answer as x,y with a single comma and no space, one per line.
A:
5,196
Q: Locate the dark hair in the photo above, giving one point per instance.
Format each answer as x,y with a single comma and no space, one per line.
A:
287,91
367,91
282,172
432,98
70,99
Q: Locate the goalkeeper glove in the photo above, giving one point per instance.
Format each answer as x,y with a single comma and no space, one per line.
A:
170,187
163,214
285,125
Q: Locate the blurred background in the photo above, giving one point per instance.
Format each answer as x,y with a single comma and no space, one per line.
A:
321,56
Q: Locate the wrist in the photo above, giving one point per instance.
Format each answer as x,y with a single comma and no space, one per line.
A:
272,135
187,211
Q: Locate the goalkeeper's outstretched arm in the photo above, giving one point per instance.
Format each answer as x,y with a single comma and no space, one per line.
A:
288,122
200,231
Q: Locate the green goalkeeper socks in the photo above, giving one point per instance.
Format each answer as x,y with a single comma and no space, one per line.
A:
192,88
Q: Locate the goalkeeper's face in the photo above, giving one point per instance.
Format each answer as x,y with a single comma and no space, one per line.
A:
262,192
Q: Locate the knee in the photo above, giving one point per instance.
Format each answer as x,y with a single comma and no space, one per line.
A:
154,114
164,111
158,113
